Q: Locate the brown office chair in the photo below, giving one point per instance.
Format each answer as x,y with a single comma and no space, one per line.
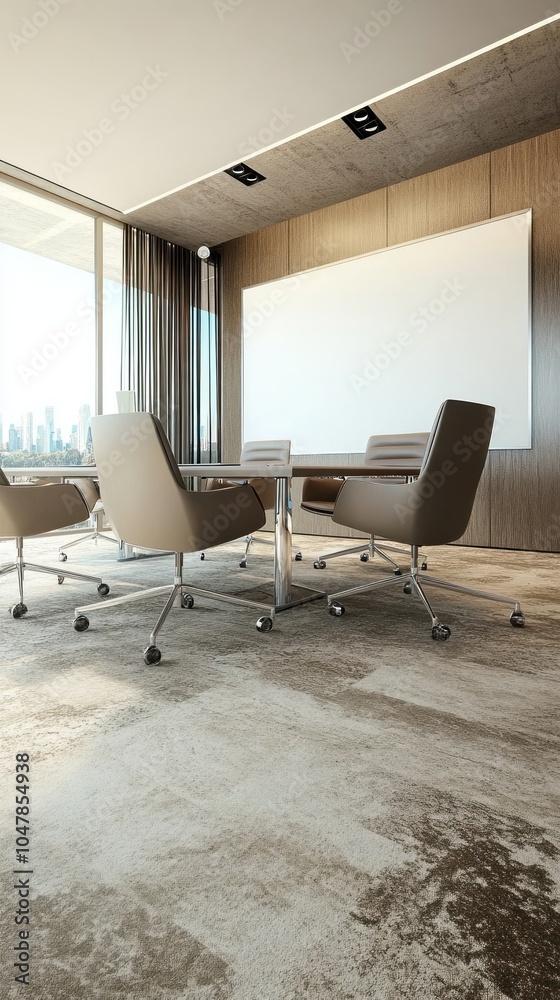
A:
433,510
259,451
33,509
149,506
382,451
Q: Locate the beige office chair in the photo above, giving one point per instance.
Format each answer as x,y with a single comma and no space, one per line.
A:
259,451
433,510
382,451
149,506
33,509
90,490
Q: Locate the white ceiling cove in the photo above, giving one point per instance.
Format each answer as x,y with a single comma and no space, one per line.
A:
126,101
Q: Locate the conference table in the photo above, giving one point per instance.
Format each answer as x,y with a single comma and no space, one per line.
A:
281,594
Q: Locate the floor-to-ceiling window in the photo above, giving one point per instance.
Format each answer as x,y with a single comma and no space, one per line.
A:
61,341
51,315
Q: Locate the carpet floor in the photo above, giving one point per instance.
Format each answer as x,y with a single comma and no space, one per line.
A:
339,809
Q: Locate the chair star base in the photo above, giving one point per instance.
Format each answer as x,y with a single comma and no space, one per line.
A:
178,592
414,584
20,566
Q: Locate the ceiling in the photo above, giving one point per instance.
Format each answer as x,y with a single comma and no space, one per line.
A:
499,98
138,106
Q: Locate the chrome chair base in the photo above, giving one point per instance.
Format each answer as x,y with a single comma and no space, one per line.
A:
92,536
179,592
368,550
414,584
264,541
20,566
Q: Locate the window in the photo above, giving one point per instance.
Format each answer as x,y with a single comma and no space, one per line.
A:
48,328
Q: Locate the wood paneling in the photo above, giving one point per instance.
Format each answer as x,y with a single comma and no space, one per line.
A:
526,484
517,504
445,199
340,231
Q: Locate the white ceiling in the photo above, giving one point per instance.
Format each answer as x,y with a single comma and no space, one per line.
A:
207,75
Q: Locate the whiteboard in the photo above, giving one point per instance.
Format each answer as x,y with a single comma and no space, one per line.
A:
373,345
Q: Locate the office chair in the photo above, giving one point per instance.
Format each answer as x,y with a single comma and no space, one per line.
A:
259,451
432,510
382,451
90,491
150,507
33,509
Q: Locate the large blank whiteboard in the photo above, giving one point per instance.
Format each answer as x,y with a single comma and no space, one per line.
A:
373,345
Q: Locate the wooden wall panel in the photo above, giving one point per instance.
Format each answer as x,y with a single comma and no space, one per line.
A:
345,230
517,505
526,484
445,199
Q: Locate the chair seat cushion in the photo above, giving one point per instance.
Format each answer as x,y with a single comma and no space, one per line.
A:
318,506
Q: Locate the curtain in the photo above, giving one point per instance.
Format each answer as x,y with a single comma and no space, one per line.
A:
170,341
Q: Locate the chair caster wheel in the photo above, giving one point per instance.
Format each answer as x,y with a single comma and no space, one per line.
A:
264,624
397,571
517,619
60,579
62,557
424,565
441,632
336,609
187,601
319,564
81,623
18,610
152,655
407,589
298,557
202,556
103,589
364,557
243,564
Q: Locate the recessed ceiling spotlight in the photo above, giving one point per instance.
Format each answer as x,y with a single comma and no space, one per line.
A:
364,123
245,174
203,252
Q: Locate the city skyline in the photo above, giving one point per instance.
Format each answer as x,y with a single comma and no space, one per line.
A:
24,434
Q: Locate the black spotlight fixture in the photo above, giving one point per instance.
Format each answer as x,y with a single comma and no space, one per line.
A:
364,123
245,174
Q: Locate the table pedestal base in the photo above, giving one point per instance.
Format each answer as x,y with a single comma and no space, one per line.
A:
264,594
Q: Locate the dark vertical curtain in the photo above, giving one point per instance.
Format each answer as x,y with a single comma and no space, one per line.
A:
170,341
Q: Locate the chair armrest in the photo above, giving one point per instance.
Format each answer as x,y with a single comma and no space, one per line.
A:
33,509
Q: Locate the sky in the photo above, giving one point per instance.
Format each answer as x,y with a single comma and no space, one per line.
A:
47,339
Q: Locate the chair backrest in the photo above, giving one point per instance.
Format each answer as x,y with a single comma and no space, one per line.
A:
138,476
453,464
266,451
400,450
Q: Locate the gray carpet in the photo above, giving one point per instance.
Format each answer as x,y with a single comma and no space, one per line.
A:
341,808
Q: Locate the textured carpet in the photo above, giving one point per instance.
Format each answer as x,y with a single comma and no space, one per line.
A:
340,808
